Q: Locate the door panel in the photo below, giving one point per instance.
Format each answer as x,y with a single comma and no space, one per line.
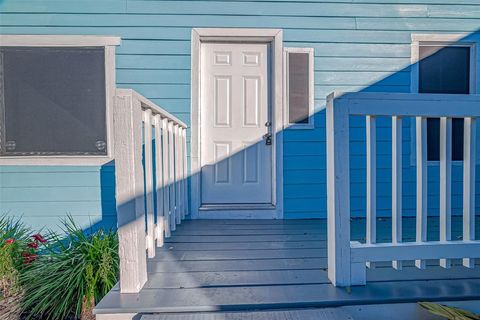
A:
236,161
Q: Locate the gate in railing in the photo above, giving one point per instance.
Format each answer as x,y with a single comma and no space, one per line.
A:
347,261
139,162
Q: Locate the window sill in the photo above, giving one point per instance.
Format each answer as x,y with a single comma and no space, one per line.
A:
55,160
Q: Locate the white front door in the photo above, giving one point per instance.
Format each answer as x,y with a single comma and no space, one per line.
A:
236,156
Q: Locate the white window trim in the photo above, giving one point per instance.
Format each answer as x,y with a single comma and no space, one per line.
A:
311,89
452,40
109,44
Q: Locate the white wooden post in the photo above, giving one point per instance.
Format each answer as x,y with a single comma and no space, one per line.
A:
371,182
160,227
127,116
171,179
147,133
177,162
166,177
180,173
469,152
445,183
397,185
421,227
185,174
340,269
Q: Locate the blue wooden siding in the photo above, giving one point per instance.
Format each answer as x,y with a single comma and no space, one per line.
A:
359,45
44,195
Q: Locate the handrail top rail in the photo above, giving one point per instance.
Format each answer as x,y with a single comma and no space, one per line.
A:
407,104
147,104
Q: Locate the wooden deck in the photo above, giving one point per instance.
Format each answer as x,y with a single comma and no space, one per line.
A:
238,265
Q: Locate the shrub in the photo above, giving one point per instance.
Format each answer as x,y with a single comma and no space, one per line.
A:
17,251
72,273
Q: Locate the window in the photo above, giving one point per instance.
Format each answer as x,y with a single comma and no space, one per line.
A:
53,101
444,68
299,87
54,98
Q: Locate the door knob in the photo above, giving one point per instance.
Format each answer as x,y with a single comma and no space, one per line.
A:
268,139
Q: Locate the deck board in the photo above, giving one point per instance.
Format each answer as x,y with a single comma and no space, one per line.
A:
237,265
286,296
303,314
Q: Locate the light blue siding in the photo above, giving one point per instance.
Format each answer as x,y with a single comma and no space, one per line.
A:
360,45
43,195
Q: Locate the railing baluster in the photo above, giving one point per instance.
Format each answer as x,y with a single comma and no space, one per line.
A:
171,179
178,206
166,177
371,182
469,152
421,146
147,131
185,182
445,183
397,185
160,228
180,179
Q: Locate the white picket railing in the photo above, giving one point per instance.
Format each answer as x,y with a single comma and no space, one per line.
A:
137,121
347,260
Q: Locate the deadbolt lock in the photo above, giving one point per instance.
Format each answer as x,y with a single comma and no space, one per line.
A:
268,139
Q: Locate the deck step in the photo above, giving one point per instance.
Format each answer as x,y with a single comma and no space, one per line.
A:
300,314
270,297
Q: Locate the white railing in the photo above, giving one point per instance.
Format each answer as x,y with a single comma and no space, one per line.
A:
347,260
135,117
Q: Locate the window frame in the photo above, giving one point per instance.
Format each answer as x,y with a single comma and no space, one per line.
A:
108,43
441,40
311,87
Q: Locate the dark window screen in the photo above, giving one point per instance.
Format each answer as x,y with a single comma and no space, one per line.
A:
444,70
298,87
53,101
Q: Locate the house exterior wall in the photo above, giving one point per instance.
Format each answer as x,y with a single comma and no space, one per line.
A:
359,45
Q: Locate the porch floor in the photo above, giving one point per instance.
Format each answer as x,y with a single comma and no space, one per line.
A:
234,265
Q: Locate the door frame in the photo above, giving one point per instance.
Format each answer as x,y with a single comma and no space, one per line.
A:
275,38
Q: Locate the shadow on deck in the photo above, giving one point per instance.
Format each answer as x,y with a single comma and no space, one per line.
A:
234,265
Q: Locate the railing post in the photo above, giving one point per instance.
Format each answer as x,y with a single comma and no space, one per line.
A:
445,183
160,227
147,134
185,173
338,196
171,178
469,153
166,177
421,144
127,118
371,182
177,157
397,185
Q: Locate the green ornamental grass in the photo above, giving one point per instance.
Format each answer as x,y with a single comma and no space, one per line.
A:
71,274
450,313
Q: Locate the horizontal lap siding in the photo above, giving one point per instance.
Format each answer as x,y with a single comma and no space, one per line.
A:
359,46
44,195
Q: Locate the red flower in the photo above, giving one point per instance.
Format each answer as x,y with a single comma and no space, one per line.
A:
28,257
33,245
9,241
38,237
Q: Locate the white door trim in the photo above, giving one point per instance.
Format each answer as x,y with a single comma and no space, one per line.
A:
275,37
